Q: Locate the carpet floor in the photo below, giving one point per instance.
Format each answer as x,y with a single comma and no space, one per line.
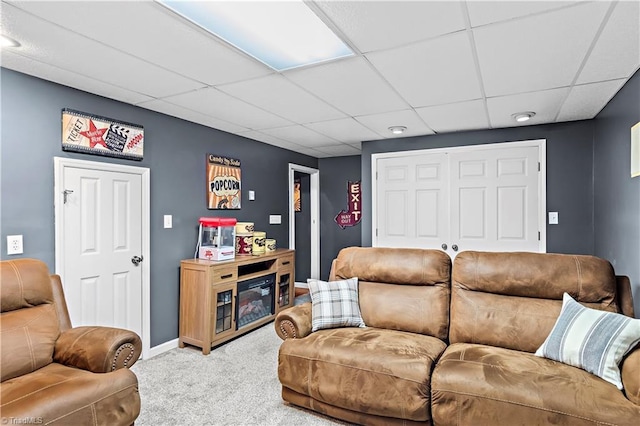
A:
236,384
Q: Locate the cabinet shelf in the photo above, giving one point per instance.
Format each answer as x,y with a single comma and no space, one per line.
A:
209,293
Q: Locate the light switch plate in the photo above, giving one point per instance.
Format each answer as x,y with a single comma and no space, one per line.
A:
275,219
168,221
252,195
553,218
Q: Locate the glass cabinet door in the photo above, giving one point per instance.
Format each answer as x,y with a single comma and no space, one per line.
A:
284,290
223,312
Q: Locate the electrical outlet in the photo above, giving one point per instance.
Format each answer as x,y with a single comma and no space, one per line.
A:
14,244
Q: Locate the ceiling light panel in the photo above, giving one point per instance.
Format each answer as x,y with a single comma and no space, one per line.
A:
375,25
283,35
525,55
617,51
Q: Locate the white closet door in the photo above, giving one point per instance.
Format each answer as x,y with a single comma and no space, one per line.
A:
413,201
494,199
483,197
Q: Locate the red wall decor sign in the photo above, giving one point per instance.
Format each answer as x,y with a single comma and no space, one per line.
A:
353,214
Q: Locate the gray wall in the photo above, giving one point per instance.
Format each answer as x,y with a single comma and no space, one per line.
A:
174,151
617,195
334,175
569,175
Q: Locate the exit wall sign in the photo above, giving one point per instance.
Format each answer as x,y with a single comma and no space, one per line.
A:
353,214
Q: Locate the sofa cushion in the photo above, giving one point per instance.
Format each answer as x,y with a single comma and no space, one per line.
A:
334,304
400,288
28,337
477,384
512,300
57,394
380,372
593,340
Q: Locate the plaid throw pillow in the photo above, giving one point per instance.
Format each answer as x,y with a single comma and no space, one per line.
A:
335,304
593,340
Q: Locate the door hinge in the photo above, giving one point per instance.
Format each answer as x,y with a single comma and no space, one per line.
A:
376,175
538,235
538,166
376,232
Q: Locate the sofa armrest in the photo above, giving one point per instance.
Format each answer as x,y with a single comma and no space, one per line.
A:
630,373
294,322
97,349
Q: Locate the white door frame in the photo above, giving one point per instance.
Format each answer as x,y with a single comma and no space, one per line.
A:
59,165
315,215
542,181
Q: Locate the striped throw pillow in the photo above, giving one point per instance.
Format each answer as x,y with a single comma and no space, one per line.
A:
334,304
593,340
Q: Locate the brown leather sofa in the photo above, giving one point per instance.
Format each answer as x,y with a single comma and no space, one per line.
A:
53,373
455,346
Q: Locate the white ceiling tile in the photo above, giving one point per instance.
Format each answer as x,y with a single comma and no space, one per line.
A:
617,51
586,101
350,85
436,71
344,130
486,12
153,33
271,140
545,104
211,101
455,117
191,115
41,41
375,25
338,150
313,153
300,135
380,123
51,73
281,97
539,52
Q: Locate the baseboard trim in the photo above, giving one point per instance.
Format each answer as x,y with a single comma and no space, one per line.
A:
163,347
299,284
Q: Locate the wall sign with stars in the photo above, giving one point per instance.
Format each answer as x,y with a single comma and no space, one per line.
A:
92,134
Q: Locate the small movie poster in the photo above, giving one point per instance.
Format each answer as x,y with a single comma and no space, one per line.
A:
223,182
92,134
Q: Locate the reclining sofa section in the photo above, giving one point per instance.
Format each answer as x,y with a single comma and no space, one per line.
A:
456,347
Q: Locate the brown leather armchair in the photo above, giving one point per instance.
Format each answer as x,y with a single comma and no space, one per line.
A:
53,373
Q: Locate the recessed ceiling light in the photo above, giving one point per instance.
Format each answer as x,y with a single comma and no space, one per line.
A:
523,116
8,42
397,130
282,34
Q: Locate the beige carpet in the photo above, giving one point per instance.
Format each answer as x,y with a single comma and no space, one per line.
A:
237,384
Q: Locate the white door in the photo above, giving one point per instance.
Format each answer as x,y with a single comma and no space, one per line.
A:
494,199
102,241
485,197
413,201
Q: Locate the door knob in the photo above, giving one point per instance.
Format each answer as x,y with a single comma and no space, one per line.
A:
454,247
136,260
444,246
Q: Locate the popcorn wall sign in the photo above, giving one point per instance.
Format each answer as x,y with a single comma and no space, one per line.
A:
92,134
223,182
353,214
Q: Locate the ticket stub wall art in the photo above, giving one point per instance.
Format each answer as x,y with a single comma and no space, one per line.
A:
223,182
92,134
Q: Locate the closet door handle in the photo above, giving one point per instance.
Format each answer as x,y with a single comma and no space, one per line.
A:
454,247
444,246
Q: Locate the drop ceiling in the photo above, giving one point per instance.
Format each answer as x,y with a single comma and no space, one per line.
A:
434,67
